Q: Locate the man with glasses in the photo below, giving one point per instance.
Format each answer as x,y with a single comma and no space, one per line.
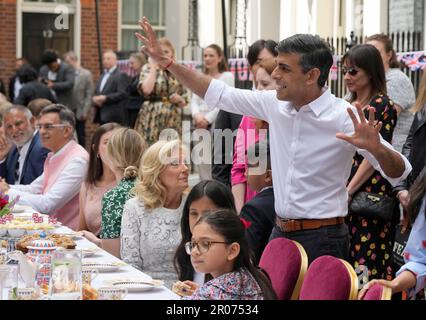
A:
24,162
57,190
313,138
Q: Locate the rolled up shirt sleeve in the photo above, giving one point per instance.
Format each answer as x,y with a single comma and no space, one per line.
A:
239,101
66,187
372,160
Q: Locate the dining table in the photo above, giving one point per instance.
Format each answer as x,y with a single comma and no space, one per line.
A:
117,273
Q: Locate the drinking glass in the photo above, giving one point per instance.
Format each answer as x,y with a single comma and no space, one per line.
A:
65,281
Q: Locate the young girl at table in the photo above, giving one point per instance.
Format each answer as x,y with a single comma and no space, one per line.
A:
219,247
205,196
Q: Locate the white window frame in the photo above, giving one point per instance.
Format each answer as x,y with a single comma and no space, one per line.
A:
122,26
23,6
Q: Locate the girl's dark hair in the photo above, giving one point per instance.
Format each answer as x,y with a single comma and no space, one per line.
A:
222,197
228,224
387,43
223,64
367,58
95,169
417,192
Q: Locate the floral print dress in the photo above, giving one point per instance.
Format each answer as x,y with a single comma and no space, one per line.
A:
235,285
112,208
158,113
371,239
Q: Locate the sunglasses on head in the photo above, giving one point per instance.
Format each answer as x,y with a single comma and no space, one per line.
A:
351,71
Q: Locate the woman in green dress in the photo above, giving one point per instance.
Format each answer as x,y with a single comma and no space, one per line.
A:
124,152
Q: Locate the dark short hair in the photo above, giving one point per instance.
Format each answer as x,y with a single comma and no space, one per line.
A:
368,58
49,56
259,45
26,73
95,169
65,114
314,53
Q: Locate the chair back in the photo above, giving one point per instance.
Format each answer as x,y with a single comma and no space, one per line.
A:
329,278
285,261
378,292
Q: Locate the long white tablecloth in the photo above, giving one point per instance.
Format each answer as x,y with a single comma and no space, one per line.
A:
124,272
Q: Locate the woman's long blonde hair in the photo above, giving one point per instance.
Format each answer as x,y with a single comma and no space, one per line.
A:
125,149
149,188
421,97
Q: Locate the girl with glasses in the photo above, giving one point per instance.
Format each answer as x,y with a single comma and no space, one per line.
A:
207,195
218,247
371,240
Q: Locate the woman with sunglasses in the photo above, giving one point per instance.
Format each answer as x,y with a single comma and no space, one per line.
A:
371,239
399,86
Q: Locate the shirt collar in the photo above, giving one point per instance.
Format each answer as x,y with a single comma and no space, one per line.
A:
321,103
111,70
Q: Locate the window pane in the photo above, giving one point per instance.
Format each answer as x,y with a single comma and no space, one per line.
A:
129,41
130,11
151,9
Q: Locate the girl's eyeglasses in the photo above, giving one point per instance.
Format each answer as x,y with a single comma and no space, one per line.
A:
202,246
351,71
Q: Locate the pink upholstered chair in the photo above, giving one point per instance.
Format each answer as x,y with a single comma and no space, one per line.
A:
329,278
285,261
378,292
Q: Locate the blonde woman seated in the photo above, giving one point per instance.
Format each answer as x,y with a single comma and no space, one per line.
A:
150,228
124,151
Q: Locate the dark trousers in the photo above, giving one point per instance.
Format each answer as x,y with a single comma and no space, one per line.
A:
329,240
80,128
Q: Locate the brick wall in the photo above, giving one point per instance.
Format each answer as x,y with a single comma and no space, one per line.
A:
89,45
7,39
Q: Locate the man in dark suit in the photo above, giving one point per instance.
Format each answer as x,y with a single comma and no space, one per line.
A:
14,84
111,91
31,88
260,210
59,77
22,162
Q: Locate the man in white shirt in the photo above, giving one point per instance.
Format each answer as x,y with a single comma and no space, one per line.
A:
313,138
56,191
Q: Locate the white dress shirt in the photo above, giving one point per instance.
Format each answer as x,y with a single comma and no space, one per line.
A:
65,188
310,166
199,106
107,74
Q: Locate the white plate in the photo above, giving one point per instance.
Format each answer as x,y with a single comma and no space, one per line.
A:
89,252
72,235
137,285
20,209
103,266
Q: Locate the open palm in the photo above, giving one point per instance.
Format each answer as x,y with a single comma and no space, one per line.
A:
367,133
151,46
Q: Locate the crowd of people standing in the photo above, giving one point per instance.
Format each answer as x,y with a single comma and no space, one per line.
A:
129,192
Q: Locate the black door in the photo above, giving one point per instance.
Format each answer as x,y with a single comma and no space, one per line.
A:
39,33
